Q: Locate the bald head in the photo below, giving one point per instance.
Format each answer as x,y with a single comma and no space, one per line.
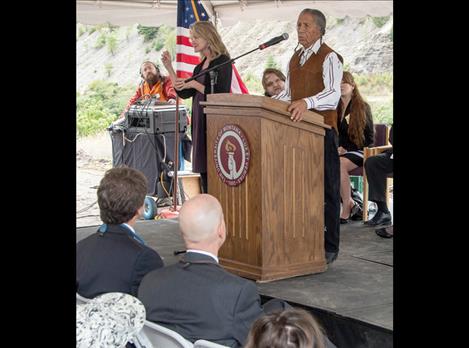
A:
200,219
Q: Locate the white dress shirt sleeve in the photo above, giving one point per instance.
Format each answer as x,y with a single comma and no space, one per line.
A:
329,97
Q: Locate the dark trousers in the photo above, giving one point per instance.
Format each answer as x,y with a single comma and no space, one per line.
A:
203,177
377,169
331,191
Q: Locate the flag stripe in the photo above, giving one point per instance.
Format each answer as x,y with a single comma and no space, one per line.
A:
183,40
186,58
242,87
186,50
184,74
185,67
181,31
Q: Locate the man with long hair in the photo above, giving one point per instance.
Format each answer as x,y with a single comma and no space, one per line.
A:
152,84
273,81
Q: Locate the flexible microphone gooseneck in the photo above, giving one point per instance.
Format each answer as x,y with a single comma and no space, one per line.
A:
269,43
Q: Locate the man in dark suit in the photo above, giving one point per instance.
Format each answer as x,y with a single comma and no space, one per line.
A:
377,169
196,297
115,258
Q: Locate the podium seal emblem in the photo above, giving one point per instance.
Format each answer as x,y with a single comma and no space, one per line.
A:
231,155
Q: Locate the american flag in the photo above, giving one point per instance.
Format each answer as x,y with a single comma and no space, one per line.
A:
190,11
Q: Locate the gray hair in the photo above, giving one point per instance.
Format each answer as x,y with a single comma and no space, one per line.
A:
319,19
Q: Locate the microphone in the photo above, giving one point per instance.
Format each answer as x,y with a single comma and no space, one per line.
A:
274,41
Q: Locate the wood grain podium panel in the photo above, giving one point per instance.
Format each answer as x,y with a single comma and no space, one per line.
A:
275,218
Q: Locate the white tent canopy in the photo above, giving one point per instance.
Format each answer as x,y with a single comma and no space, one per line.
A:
229,12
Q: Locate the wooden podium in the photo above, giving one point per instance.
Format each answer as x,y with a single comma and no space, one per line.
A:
275,217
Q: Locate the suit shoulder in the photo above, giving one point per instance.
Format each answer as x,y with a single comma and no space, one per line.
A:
235,280
150,253
89,239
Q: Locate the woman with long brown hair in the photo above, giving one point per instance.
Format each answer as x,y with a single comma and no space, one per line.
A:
356,130
207,41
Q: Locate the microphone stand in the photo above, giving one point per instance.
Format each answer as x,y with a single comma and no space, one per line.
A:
176,156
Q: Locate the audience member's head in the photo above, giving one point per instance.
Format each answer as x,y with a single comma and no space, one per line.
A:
150,72
273,81
201,222
121,195
291,328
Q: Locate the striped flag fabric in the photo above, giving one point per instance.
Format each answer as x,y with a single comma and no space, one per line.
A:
190,11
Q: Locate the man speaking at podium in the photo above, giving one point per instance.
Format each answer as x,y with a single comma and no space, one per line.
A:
313,83
152,84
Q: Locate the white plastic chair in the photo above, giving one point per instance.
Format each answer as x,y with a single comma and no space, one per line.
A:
157,336
81,299
207,344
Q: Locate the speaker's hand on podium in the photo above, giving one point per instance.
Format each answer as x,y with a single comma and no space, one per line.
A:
297,110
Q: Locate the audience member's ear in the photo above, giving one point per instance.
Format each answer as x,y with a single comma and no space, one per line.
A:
221,232
140,211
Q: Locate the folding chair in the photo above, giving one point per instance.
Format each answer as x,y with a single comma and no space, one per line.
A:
207,344
368,152
381,141
157,336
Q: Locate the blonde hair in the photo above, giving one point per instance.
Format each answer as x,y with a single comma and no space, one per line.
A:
207,31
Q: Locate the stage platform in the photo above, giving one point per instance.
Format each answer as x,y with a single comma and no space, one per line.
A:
353,299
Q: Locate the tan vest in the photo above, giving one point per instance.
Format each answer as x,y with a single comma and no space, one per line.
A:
306,80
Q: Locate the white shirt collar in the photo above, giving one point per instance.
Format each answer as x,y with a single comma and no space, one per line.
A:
203,252
130,227
314,47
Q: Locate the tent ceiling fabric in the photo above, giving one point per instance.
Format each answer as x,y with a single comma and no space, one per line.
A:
157,12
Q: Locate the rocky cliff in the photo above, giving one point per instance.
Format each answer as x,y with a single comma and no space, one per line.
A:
365,43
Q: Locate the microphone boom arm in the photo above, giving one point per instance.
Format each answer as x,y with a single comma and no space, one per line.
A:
218,65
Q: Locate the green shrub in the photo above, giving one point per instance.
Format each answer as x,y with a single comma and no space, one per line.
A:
271,63
148,33
253,84
92,117
147,50
100,41
99,105
380,21
81,31
100,27
112,44
108,68
170,45
92,30
382,111
112,28
159,44
375,84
